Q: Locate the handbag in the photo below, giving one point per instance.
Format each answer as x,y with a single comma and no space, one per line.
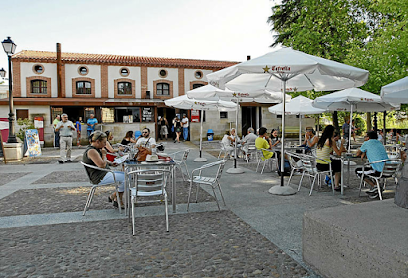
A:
142,153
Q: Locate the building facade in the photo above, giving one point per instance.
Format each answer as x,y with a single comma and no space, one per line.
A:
123,92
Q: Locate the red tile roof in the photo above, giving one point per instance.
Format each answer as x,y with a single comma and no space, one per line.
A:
48,56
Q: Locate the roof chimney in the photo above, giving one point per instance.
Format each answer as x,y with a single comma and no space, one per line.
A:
59,70
248,57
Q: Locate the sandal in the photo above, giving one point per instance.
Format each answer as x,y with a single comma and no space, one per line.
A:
338,188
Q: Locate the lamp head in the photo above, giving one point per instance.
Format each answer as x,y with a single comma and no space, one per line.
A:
2,73
9,46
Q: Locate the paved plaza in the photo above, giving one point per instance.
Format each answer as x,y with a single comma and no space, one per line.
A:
43,232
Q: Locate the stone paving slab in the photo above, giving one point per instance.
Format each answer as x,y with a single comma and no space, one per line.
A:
8,177
210,244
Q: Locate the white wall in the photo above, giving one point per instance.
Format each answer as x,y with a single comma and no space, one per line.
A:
71,71
134,74
189,77
50,71
153,75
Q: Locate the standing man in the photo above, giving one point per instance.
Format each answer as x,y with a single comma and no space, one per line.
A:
78,126
56,133
184,123
65,129
92,122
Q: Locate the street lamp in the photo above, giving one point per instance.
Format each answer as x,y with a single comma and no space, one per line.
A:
10,47
2,73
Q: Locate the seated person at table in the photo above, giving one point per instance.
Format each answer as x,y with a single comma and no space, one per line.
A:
129,138
111,152
275,140
326,146
263,142
339,143
228,141
374,151
145,140
310,139
249,139
95,155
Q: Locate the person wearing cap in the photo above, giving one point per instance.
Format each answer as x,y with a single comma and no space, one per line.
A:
185,123
65,128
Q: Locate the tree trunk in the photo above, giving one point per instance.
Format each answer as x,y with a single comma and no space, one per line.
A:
369,126
335,120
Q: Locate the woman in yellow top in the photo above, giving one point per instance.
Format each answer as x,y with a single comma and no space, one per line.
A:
263,142
326,146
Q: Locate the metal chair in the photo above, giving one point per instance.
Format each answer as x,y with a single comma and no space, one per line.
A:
223,149
260,155
94,186
390,170
181,161
250,152
148,183
310,169
201,179
296,165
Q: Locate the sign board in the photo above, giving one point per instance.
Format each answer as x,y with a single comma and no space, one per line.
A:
147,114
33,143
195,116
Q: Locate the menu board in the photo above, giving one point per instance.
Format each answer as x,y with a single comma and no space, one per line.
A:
147,114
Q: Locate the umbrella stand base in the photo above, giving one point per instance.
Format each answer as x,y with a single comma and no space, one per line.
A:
235,170
282,190
200,159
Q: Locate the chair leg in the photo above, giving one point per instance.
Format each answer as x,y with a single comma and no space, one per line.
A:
216,199
379,189
222,196
361,183
263,167
133,215
333,182
89,199
189,194
311,188
291,175
301,179
166,211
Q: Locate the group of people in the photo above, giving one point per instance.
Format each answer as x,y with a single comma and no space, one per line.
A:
179,128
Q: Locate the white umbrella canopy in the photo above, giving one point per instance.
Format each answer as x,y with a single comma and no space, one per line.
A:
299,105
288,68
183,102
396,92
353,100
257,95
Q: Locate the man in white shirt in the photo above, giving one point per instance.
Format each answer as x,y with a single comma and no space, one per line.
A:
145,140
184,123
249,139
65,128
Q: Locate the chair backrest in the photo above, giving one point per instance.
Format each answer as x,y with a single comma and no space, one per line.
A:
220,170
292,161
391,167
222,146
149,179
85,166
309,163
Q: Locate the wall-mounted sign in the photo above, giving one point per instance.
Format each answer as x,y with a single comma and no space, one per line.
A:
147,114
195,116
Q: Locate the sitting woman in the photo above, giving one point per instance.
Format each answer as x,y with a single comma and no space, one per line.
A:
129,138
326,146
310,139
275,140
95,155
111,152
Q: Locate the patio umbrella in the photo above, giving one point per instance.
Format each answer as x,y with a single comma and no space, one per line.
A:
288,70
396,92
259,95
183,102
353,99
300,105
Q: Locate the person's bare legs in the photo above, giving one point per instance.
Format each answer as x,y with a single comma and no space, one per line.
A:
337,177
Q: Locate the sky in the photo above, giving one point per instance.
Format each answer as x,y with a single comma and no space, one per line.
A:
226,30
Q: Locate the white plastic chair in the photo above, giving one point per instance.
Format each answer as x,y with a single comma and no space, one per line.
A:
94,186
390,170
260,155
148,183
201,178
309,169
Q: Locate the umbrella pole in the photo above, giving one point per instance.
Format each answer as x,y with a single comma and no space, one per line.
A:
300,129
200,158
350,125
235,169
283,189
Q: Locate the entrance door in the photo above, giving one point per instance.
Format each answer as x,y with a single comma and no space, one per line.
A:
250,118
